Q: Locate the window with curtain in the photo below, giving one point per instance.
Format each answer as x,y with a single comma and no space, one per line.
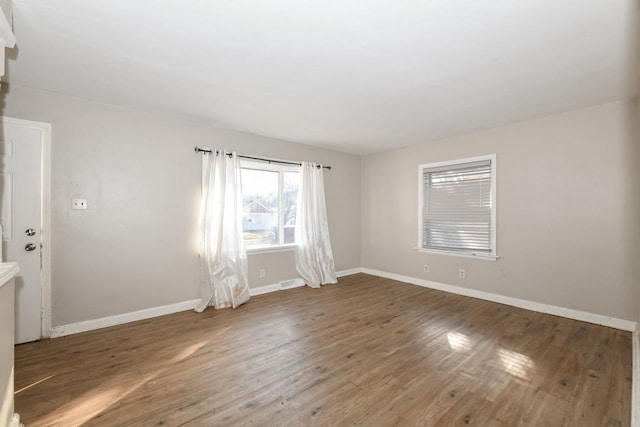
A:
457,207
269,196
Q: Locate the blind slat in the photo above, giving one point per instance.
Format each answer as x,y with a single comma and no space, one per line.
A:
457,207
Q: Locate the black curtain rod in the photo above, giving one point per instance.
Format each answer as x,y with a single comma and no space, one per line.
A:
261,159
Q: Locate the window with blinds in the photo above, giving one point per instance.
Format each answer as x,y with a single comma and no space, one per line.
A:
457,206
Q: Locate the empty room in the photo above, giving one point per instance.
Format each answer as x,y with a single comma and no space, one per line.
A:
328,213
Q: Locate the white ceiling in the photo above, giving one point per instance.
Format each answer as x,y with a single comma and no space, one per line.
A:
358,76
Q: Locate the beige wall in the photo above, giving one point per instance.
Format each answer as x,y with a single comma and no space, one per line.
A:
135,247
568,209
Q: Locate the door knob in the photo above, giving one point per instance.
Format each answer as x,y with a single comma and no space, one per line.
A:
30,247
30,232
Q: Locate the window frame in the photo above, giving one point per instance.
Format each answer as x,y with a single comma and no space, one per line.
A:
460,252
281,169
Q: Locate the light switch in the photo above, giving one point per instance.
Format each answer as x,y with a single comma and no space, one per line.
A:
78,203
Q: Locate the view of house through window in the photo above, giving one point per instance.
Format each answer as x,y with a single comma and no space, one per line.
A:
269,195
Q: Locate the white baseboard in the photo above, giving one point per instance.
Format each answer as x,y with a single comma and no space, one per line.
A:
104,322
119,319
635,385
626,325
264,289
598,319
348,272
15,421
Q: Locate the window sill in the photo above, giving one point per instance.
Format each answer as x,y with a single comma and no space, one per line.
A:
271,249
484,257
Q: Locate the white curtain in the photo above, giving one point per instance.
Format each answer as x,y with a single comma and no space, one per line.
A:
224,257
314,257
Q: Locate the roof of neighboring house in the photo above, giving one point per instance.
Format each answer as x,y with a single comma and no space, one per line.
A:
256,207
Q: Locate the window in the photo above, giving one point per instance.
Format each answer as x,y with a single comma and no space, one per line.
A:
457,207
269,196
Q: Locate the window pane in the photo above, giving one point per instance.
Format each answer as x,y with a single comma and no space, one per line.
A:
260,207
457,211
290,195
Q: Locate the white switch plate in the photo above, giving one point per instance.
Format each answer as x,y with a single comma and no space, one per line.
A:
78,203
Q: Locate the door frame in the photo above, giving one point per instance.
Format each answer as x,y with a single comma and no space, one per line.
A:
45,219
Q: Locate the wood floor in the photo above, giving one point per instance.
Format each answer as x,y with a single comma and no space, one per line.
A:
367,351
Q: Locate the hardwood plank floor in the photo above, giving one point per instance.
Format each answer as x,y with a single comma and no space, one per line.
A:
367,351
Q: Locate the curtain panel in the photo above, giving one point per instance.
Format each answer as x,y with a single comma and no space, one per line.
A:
314,257
224,281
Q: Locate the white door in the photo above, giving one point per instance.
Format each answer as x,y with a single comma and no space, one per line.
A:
21,187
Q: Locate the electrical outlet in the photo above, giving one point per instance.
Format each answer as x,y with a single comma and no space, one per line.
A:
461,273
262,273
78,203
426,268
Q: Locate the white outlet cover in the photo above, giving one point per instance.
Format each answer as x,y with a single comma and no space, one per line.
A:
78,203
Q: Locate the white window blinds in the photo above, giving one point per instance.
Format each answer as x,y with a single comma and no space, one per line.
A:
457,207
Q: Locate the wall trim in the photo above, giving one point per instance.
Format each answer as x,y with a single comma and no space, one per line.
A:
264,289
15,421
7,38
45,281
635,385
625,325
598,319
119,319
349,272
